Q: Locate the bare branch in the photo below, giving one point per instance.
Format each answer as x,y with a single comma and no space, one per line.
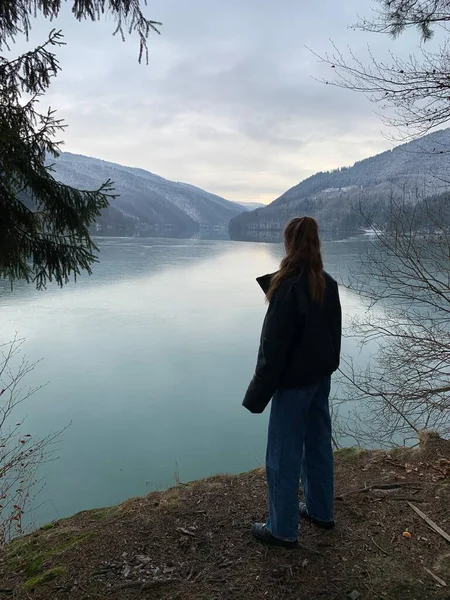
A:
21,454
404,278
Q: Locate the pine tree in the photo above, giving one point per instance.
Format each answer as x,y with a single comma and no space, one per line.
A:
44,225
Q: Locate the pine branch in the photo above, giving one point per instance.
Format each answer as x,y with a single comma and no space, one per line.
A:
395,16
31,72
128,16
44,225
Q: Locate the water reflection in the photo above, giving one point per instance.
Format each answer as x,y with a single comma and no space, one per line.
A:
149,359
120,259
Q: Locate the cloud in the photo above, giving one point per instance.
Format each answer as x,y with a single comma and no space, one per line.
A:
228,102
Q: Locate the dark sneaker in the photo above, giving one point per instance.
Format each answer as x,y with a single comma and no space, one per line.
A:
304,515
261,533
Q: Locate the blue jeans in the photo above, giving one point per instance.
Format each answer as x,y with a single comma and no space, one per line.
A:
299,446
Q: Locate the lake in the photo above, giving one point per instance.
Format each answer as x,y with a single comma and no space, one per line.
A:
148,361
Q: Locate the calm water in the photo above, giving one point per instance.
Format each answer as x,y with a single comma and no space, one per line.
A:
148,360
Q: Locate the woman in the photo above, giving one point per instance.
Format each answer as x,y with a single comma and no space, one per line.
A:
299,350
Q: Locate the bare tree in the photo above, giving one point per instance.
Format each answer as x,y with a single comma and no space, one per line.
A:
21,454
416,90
404,280
404,277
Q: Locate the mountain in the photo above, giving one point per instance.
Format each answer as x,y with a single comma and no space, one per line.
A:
411,171
145,200
251,205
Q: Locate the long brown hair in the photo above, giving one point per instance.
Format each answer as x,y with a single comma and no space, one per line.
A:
303,255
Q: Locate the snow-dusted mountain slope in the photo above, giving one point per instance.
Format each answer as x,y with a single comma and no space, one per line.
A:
418,169
145,197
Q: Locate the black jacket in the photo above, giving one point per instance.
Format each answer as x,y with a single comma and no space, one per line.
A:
300,340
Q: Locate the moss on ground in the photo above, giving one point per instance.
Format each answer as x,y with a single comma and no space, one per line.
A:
94,514
28,555
45,577
98,514
348,453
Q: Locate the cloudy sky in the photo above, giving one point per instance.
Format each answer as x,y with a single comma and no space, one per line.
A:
228,101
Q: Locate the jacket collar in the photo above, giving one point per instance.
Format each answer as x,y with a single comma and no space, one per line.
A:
264,281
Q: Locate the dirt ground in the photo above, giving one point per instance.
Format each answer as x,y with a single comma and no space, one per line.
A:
193,541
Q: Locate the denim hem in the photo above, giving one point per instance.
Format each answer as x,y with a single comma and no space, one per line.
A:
319,519
281,538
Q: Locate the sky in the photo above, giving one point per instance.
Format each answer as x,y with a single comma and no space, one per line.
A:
229,101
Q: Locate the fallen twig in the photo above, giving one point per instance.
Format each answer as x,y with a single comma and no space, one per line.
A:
199,574
405,498
431,523
186,531
380,548
103,570
394,463
436,578
148,585
380,486
142,585
226,563
128,585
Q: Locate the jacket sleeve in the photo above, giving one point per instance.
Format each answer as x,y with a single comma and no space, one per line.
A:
279,328
336,325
